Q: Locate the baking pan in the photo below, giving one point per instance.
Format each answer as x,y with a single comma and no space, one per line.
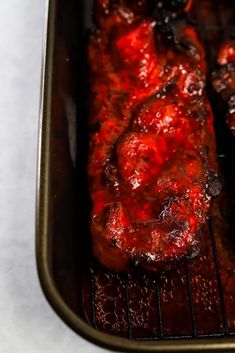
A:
189,308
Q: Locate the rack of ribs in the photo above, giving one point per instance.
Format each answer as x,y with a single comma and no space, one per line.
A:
152,164
223,80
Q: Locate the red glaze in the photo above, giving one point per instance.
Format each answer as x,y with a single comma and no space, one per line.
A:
226,54
152,164
223,80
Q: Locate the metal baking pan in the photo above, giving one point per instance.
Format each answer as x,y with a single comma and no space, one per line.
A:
190,308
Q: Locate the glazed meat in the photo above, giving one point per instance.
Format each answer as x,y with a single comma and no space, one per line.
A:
152,166
223,81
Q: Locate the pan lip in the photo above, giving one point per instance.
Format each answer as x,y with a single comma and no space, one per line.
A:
223,344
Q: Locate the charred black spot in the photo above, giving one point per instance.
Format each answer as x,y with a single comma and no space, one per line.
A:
221,80
109,214
111,178
165,25
113,243
183,45
110,171
214,183
168,5
166,13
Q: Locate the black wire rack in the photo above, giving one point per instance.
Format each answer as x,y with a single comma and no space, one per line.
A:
160,335
220,27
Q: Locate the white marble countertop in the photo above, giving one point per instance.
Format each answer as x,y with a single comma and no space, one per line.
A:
27,322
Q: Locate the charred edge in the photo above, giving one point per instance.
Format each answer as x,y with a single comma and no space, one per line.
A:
214,183
171,6
166,15
220,80
110,175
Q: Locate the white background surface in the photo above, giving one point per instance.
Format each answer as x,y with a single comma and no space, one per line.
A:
27,323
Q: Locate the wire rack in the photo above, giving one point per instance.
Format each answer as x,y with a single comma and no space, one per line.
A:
156,312
160,335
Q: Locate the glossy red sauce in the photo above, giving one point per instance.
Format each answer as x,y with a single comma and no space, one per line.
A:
152,153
